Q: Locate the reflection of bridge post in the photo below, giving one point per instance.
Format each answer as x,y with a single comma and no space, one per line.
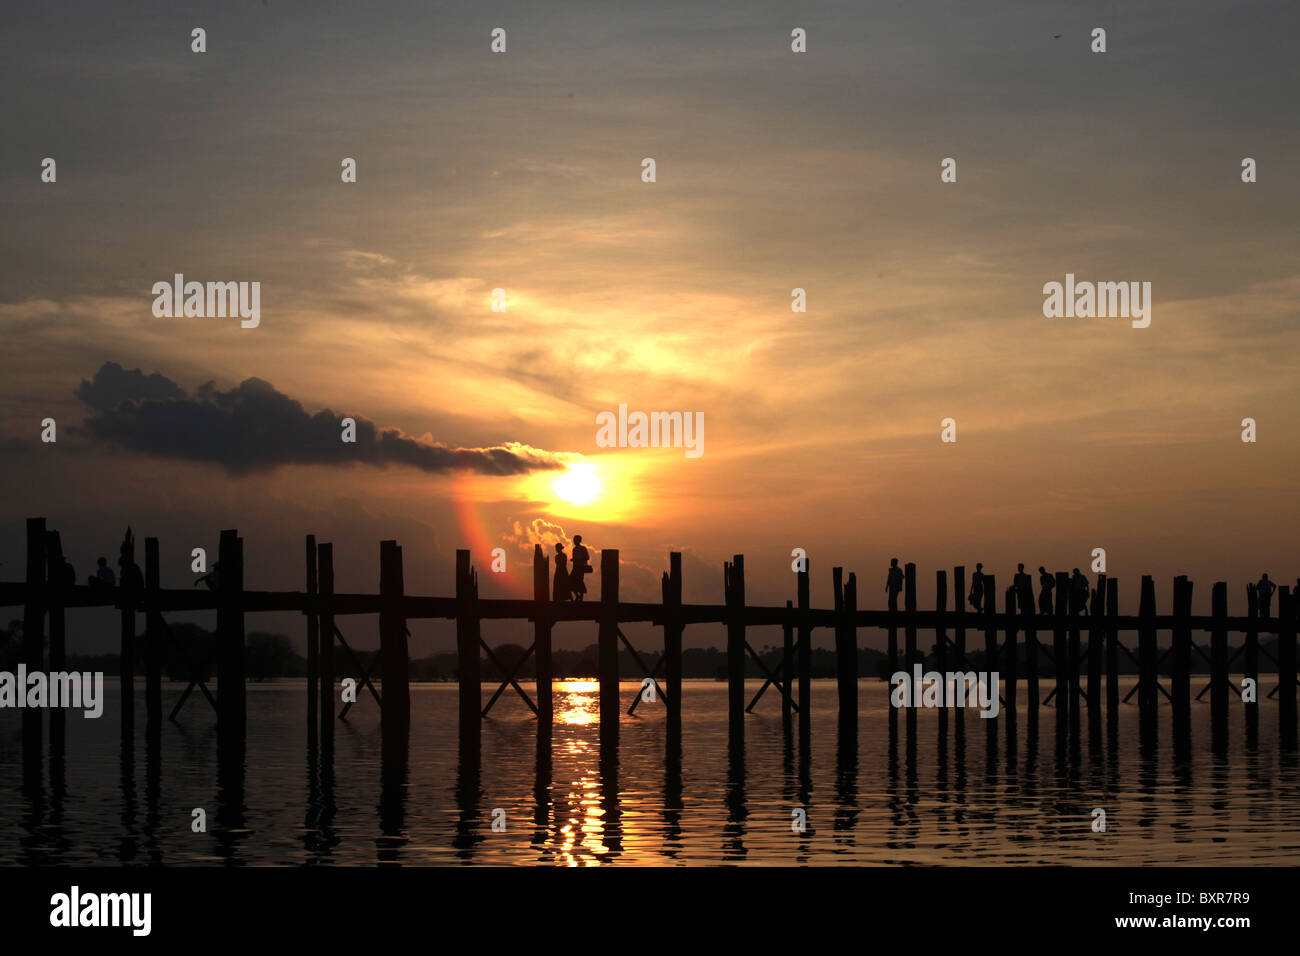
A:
608,653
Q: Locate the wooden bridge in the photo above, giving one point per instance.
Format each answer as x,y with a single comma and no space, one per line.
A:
1009,635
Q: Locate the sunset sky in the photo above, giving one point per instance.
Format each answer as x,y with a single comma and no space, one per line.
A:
775,170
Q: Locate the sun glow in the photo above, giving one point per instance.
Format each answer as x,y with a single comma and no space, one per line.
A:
579,485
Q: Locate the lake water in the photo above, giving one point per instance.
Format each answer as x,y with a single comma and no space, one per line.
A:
897,803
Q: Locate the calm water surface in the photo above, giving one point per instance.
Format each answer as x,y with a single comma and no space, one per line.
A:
887,800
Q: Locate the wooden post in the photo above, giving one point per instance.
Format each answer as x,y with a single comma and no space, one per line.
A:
1147,675
1219,665
325,582
467,655
1096,632
313,648
1286,667
1075,656
1112,653
54,574
1010,656
892,652
1060,649
33,652
787,667
805,661
846,652
127,595
542,642
909,612
153,646
1031,644
959,606
941,637
733,585
1182,652
671,586
608,653
990,624
1250,666
231,708
394,652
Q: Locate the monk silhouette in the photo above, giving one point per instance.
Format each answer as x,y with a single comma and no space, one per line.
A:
1024,585
1265,589
894,583
581,567
103,576
1047,582
976,596
1080,591
561,586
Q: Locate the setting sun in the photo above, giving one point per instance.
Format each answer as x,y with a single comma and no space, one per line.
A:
579,485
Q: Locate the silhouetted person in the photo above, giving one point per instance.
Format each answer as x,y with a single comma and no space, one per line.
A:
104,576
976,596
1047,583
212,579
893,583
561,587
1080,591
1265,589
581,567
67,574
1024,585
132,576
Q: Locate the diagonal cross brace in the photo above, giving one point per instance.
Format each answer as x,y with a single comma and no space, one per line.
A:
365,673
510,678
196,679
646,672
771,680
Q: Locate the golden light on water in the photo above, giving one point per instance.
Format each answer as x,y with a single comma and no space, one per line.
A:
577,702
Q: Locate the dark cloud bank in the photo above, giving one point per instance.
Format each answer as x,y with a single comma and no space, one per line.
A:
254,427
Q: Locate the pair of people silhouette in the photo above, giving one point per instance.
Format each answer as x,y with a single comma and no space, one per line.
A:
569,584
